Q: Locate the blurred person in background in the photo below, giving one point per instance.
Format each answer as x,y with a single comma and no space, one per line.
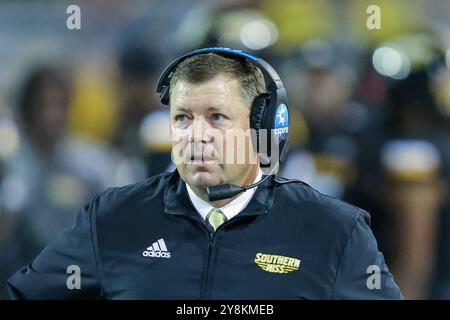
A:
413,113
142,134
51,173
334,121
413,194
440,88
12,250
403,178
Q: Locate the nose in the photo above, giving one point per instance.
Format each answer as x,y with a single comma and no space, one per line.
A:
200,132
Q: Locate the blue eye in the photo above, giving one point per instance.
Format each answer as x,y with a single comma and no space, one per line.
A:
181,118
218,117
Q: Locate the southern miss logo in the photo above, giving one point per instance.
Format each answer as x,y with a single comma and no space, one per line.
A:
276,264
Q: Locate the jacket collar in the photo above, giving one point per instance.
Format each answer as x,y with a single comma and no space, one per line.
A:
177,201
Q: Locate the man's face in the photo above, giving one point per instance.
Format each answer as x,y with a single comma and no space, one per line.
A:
201,116
51,108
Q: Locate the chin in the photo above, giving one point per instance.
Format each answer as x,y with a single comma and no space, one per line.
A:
202,179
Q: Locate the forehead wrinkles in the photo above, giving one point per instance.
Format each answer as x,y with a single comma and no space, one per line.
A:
217,89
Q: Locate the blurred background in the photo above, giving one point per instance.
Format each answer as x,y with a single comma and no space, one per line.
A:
370,111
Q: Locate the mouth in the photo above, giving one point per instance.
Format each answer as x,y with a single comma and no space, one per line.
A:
202,160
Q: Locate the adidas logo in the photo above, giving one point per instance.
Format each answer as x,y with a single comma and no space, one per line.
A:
157,250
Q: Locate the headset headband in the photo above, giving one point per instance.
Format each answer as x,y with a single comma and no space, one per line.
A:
274,82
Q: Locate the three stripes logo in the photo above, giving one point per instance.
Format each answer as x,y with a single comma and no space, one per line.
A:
276,264
157,250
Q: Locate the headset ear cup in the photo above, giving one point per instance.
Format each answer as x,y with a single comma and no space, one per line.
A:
258,111
257,117
164,95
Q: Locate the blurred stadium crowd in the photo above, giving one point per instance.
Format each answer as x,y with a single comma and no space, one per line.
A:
370,111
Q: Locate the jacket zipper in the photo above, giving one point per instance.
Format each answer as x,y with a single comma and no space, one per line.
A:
209,260
211,256
205,276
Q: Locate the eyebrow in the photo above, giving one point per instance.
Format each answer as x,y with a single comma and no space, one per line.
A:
190,111
183,109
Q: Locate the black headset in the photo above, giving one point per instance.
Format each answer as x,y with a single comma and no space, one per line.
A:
269,110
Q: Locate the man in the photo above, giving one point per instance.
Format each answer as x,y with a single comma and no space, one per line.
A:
164,239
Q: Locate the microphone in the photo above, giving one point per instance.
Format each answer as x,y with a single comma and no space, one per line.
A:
228,190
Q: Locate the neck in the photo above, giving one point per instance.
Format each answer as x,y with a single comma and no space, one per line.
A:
249,179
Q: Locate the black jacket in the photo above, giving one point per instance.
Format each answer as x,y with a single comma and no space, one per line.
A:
146,241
